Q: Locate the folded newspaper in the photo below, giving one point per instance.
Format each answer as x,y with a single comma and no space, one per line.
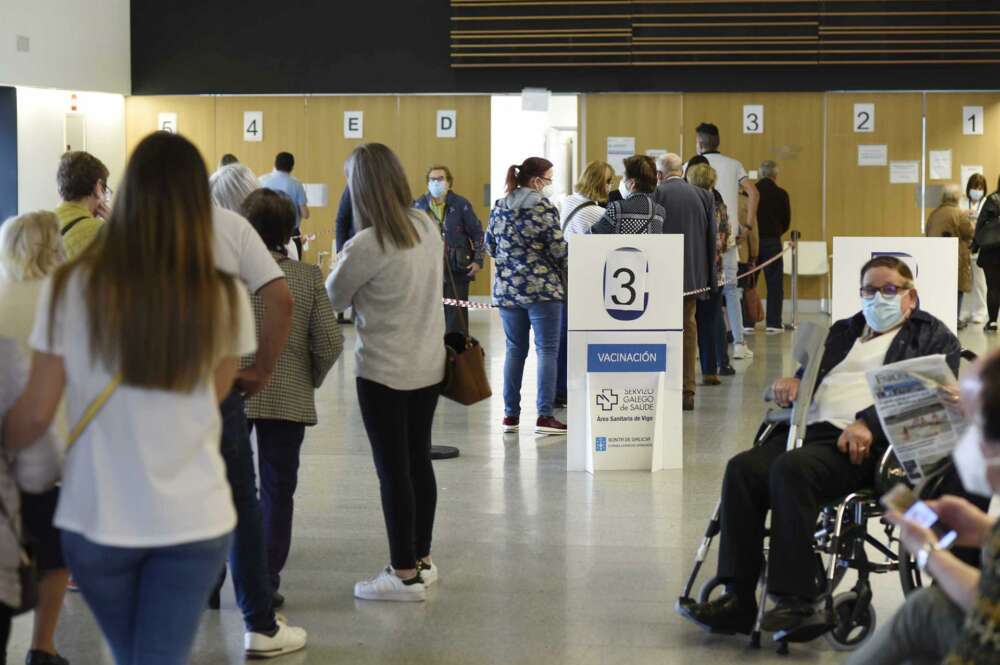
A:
922,424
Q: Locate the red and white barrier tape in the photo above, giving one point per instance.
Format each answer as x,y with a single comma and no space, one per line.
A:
482,305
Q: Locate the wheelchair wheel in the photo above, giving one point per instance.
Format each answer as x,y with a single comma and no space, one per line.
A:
910,577
848,634
709,588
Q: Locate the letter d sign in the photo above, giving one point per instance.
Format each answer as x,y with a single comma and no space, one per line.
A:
446,124
625,294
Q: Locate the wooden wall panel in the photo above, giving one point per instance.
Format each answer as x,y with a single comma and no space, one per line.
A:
860,199
195,120
653,119
284,129
944,132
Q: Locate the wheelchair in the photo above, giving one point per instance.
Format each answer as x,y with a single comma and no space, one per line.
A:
842,533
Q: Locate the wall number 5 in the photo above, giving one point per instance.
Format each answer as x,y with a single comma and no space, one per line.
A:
753,119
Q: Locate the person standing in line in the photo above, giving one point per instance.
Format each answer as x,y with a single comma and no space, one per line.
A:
86,197
343,230
391,272
145,548
281,412
636,212
731,178
948,221
986,242
748,245
240,251
31,248
578,212
227,159
463,241
690,212
975,196
527,245
281,180
774,218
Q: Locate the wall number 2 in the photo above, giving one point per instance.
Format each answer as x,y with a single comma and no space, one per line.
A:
864,118
972,120
753,119
253,126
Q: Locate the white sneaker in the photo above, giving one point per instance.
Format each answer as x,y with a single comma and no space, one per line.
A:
742,352
288,639
428,571
748,330
773,331
388,586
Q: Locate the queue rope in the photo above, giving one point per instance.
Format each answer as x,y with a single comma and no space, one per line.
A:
757,268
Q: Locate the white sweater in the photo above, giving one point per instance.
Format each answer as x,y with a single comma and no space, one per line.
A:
396,294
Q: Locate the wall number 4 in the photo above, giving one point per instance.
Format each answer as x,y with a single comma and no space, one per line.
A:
253,126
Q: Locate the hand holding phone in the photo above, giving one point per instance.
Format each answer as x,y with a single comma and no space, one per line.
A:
902,500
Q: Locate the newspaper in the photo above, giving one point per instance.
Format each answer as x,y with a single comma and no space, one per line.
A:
922,424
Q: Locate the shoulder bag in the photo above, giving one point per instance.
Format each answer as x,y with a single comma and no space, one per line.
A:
572,213
465,379
988,235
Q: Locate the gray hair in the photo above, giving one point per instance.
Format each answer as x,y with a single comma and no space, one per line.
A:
669,163
768,169
951,194
30,246
231,185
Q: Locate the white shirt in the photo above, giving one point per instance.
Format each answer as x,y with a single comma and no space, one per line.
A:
147,472
584,218
729,174
239,250
844,391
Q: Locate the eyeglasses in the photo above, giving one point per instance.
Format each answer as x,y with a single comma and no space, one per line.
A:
889,291
107,192
438,179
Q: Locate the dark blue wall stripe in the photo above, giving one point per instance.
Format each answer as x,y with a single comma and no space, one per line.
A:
8,152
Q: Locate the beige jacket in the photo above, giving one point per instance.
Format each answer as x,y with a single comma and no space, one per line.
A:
748,242
948,221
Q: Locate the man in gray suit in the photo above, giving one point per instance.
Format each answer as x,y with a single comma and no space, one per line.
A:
690,212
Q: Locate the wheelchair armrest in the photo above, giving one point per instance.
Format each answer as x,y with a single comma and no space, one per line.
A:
778,416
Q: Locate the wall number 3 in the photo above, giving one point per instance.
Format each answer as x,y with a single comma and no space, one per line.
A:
753,119
253,126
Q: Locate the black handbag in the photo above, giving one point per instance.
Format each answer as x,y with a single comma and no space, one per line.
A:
460,259
988,234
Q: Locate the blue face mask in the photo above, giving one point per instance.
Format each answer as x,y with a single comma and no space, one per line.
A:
882,313
437,188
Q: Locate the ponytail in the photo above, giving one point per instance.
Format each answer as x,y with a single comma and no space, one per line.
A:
521,175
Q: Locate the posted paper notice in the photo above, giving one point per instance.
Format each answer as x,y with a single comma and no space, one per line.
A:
873,155
904,173
940,164
620,147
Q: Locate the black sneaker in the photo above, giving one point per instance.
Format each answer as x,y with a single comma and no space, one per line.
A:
277,601
722,616
727,370
990,327
789,613
43,658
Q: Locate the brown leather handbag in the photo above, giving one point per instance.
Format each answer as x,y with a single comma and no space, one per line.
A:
753,308
465,379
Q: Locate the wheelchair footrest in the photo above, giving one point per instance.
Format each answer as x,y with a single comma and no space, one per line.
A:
820,624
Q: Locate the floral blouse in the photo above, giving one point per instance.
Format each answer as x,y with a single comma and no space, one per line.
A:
529,251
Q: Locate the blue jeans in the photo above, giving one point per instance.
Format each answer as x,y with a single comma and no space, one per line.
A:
545,318
707,313
148,601
562,380
247,558
733,293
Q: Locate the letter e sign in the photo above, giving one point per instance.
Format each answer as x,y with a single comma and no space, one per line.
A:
446,124
354,124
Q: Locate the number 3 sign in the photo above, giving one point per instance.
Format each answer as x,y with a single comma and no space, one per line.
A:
625,294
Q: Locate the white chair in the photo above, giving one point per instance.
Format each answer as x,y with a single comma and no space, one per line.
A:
813,261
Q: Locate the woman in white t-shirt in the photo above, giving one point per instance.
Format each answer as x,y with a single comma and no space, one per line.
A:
145,509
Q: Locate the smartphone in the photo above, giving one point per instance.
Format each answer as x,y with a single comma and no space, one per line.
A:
902,499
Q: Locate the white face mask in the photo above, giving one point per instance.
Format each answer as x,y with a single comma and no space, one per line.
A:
548,191
623,189
976,194
973,467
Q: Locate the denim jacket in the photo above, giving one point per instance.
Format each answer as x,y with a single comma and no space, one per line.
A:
461,227
527,245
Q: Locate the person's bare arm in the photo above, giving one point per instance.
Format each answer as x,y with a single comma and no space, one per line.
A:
32,414
753,200
278,304
305,211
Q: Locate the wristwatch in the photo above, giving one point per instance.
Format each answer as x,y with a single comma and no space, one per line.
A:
923,555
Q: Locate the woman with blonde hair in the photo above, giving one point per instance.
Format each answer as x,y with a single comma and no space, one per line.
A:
30,246
144,334
391,271
583,208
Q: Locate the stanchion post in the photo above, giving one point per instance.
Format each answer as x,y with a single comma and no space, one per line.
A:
795,278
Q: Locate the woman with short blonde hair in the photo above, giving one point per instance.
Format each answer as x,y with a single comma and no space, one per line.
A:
584,207
30,246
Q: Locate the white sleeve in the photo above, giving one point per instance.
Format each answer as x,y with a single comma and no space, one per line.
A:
741,173
39,339
244,342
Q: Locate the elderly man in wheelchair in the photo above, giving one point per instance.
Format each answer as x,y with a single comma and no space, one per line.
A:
842,445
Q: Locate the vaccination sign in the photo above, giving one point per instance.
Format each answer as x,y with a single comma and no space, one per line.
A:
625,356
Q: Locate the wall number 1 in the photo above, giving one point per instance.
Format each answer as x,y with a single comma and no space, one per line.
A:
753,118
864,118
972,120
253,126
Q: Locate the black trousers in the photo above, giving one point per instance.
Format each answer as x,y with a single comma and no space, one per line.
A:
456,318
793,486
398,423
992,271
6,619
774,277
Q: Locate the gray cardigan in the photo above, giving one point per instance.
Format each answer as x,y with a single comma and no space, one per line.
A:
690,211
396,294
